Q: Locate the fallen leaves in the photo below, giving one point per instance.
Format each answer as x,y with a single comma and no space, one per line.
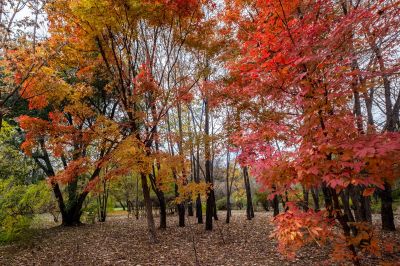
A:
123,241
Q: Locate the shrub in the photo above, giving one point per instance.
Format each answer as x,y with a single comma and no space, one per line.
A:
18,205
221,204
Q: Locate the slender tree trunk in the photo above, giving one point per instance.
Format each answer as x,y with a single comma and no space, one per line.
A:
149,209
181,207
210,197
249,207
391,119
163,209
305,199
228,192
386,208
344,195
199,210
342,219
315,196
215,213
1,116
137,199
275,205
327,198
102,202
190,201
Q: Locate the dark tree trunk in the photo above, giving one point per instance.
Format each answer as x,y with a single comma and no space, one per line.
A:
210,197
275,205
181,208
392,117
362,208
328,200
386,208
149,209
72,216
209,212
342,219
161,199
102,200
249,203
196,165
163,210
344,195
190,208
215,213
228,192
122,205
305,199
199,211
137,199
315,195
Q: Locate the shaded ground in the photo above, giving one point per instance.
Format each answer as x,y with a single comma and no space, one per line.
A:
123,241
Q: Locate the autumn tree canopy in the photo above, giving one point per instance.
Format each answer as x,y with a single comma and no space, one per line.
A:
178,97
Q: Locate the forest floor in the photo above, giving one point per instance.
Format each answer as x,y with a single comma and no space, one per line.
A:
123,241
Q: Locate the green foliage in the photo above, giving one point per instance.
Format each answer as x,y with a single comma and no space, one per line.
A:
13,163
239,199
261,198
18,205
221,204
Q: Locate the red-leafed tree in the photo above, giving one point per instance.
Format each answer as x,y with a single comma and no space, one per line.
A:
293,79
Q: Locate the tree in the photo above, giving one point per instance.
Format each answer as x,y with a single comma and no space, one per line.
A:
19,37
69,143
292,81
130,42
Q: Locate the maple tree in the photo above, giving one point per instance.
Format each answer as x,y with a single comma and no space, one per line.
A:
175,96
293,81
18,50
130,42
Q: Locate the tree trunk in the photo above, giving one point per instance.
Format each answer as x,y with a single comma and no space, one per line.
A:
344,195
342,219
328,199
149,209
181,209
362,208
102,201
210,197
190,208
249,203
228,193
72,216
391,120
386,208
137,199
163,210
275,205
181,206
315,195
305,199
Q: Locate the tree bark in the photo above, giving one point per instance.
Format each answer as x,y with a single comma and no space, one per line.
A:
149,209
305,199
344,195
210,197
249,204
315,196
386,208
275,205
228,193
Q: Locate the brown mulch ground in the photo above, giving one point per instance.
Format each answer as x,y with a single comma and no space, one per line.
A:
123,241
